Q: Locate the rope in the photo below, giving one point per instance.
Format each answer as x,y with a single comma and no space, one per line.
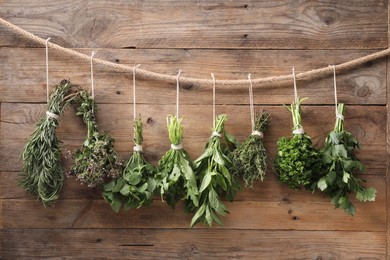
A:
177,93
295,86
150,75
251,108
212,75
47,68
92,85
134,98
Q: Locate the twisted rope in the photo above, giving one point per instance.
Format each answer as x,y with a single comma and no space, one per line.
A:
150,75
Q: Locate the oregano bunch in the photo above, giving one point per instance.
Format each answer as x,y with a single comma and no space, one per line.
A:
97,158
135,186
298,163
341,164
215,180
42,174
250,157
175,169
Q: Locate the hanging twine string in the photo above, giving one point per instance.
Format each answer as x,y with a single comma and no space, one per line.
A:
215,133
335,93
47,68
295,86
251,107
177,93
149,75
134,99
92,85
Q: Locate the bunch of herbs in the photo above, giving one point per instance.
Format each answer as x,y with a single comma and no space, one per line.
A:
135,187
42,174
339,180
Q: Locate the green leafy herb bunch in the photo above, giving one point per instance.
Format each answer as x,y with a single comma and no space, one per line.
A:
339,180
42,174
298,163
250,157
215,180
97,158
176,178
135,186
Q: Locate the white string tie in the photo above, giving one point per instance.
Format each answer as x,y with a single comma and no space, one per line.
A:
47,68
51,115
212,75
177,93
92,85
134,99
137,148
258,133
176,146
299,131
295,87
340,116
252,110
216,134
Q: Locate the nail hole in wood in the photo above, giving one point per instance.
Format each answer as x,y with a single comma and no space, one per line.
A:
149,120
295,218
245,5
118,92
117,60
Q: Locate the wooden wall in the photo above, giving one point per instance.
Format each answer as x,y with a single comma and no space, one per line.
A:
228,38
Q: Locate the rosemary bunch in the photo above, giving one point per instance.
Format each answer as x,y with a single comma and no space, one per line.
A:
297,163
175,172
250,157
215,180
97,158
135,187
42,174
339,180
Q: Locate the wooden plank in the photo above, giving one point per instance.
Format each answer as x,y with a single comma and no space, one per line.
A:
366,123
190,244
281,24
273,206
23,78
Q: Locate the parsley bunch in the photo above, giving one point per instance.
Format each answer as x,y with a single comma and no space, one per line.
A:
135,187
97,158
175,172
42,174
250,158
297,162
339,180
214,177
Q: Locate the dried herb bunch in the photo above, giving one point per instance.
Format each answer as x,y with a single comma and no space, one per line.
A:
341,164
215,180
250,157
135,187
175,172
298,163
42,174
97,158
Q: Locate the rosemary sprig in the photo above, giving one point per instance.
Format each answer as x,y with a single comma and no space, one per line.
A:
250,158
175,172
97,158
215,180
42,174
135,187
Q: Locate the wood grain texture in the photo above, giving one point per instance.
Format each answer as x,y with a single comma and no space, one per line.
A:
18,122
190,244
23,78
281,24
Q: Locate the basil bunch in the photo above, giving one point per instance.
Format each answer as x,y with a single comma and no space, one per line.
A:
215,180
42,174
97,158
339,180
250,157
175,171
135,187
298,163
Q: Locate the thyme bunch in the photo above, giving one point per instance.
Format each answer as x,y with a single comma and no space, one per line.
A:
42,174
175,169
215,180
339,180
97,158
298,163
250,157
135,187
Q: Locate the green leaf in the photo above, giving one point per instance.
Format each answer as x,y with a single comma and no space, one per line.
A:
339,150
206,153
205,182
208,218
346,176
116,205
198,214
109,186
218,158
366,194
322,184
125,190
175,174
